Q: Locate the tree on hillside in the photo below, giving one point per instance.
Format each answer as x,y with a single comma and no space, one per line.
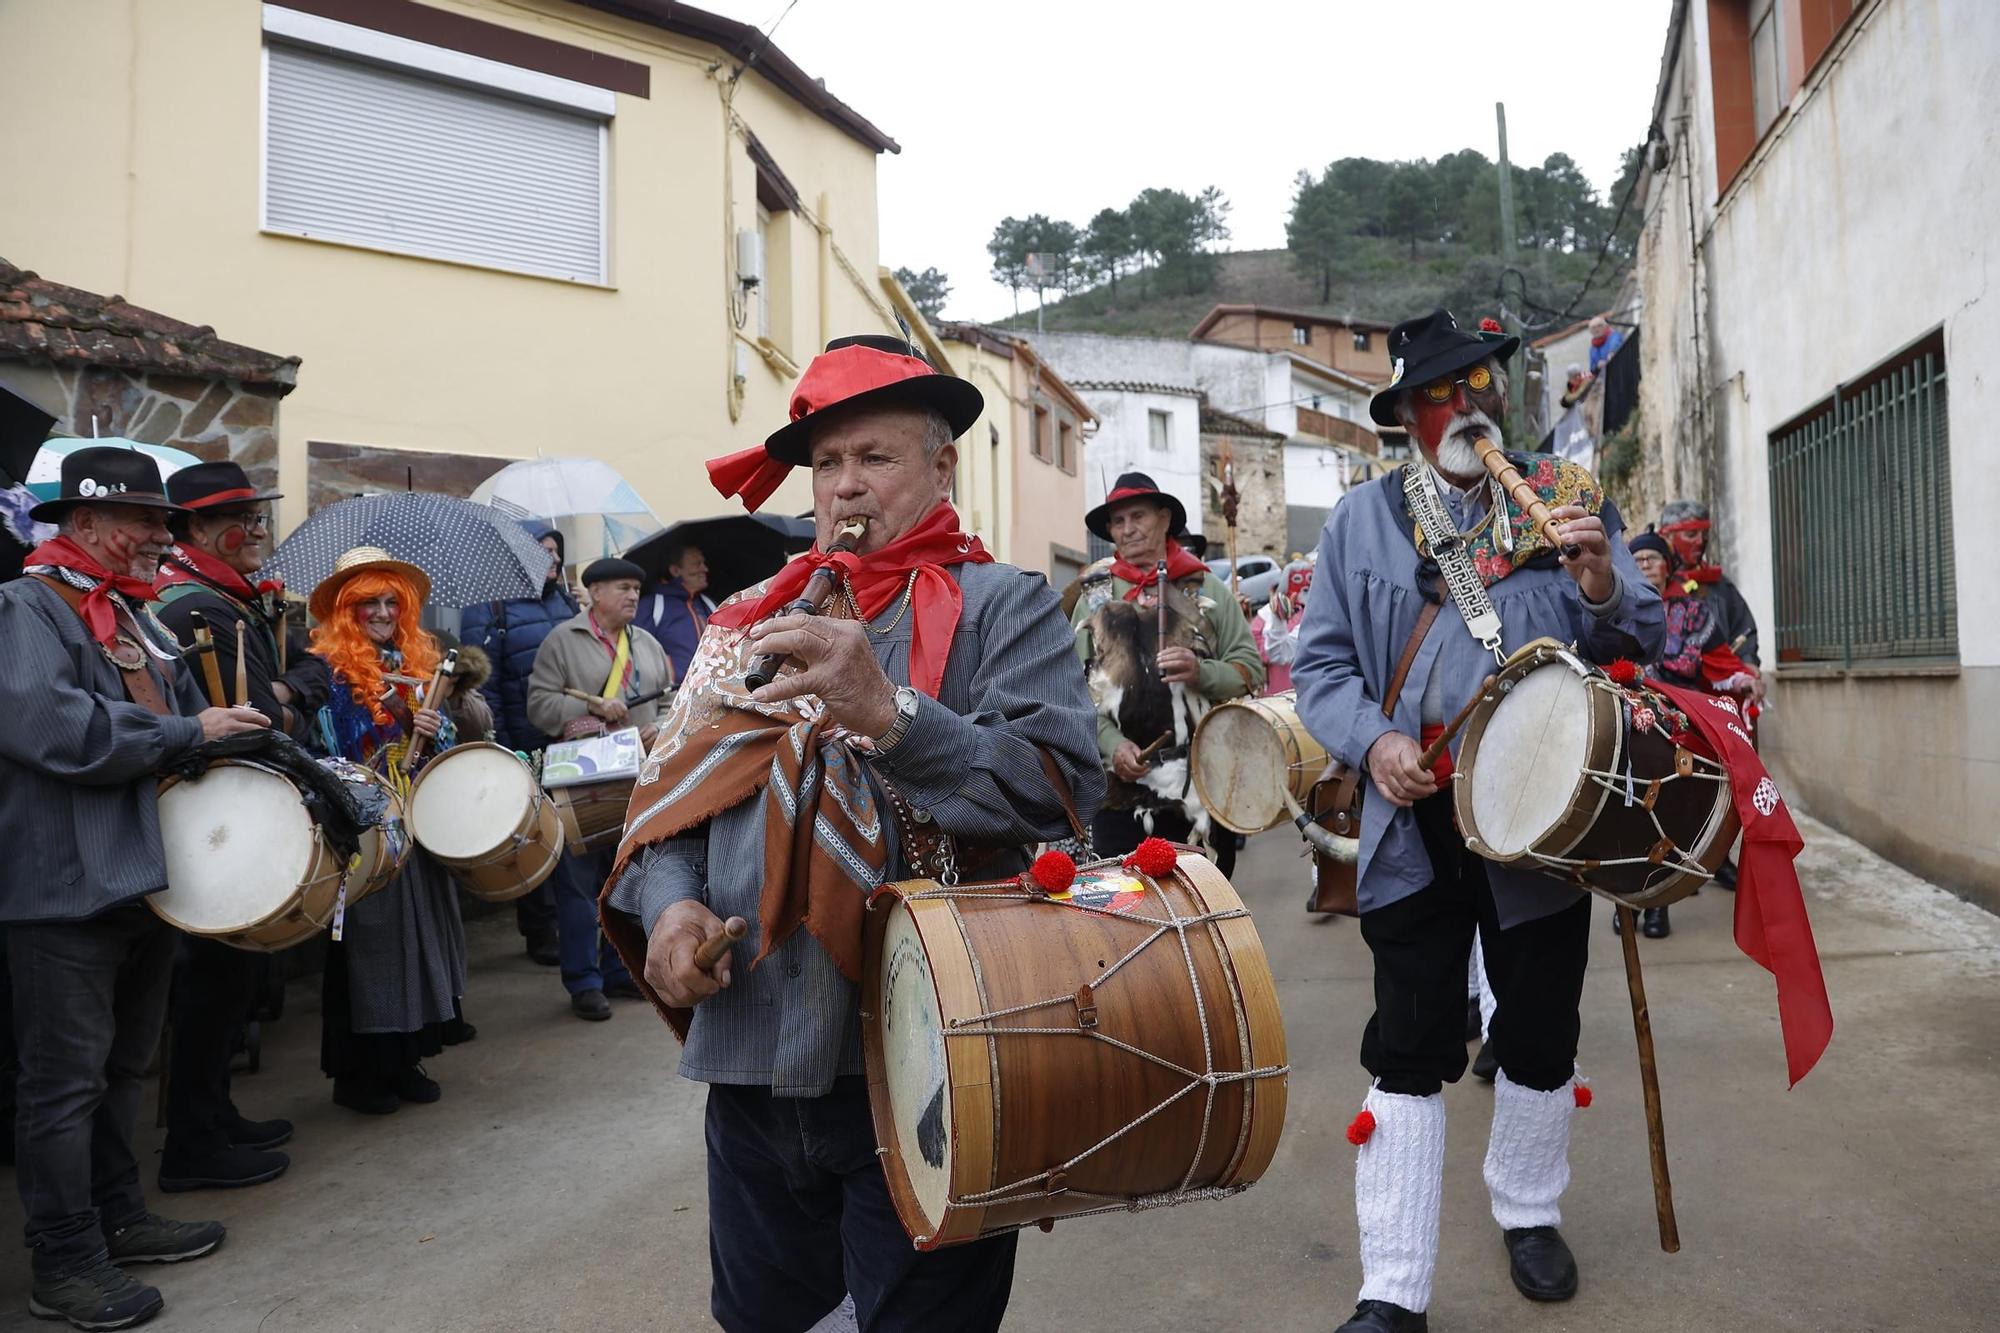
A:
1319,229
928,289
1410,204
1107,247
1057,243
1364,182
1010,247
1176,229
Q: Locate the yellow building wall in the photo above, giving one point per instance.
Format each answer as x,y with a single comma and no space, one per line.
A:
148,186
1018,504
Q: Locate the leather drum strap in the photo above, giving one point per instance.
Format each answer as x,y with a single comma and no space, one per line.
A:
142,687
1053,771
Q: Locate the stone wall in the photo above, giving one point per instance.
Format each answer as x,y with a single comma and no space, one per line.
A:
215,420
1260,487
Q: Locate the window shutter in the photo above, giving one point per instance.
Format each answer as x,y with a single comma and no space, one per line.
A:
373,156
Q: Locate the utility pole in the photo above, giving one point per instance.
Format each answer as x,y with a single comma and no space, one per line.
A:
1517,377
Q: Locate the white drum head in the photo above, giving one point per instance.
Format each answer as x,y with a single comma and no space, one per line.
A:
1244,768
470,801
238,842
1529,760
913,1053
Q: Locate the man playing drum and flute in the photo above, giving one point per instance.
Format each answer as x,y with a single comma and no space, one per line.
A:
933,711
95,699
1426,579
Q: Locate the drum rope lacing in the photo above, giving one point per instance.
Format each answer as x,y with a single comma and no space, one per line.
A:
1208,1081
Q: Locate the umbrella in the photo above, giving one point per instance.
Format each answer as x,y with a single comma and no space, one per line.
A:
472,552
588,500
23,427
45,473
740,548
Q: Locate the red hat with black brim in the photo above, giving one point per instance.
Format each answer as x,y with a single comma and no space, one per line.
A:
1136,486
1430,348
867,370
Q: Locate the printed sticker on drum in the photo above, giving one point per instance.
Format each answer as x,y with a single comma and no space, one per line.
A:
1103,892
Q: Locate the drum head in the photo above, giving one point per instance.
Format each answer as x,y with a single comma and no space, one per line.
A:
238,842
913,1061
1530,759
1242,767
470,801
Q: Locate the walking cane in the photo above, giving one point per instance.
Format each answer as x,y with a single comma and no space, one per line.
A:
1649,1078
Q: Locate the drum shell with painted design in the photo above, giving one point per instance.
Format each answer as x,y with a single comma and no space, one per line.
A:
1248,754
477,809
592,814
1012,1106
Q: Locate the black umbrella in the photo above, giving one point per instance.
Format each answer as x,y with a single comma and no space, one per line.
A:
23,427
740,548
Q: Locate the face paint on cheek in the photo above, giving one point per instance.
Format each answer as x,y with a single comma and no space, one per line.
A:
1432,418
120,547
1687,546
232,541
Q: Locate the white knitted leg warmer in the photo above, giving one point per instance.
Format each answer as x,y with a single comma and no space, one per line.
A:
1482,988
1398,1182
1527,1159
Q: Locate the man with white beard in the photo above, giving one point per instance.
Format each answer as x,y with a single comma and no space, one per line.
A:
1387,653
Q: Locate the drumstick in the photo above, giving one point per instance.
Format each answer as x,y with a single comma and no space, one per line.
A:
1436,747
284,630
710,951
242,669
1523,494
204,644
1649,1079
416,745
587,696
819,589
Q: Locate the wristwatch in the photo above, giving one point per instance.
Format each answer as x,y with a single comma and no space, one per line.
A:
906,713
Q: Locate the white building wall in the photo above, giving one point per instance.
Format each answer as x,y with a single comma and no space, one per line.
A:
1123,443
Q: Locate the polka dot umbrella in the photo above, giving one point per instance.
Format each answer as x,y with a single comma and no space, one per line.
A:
473,553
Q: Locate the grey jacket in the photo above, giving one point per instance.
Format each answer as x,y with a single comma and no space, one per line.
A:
572,657
968,762
76,765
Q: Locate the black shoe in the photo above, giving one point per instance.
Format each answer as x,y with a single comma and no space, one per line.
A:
413,1085
1382,1317
101,1295
457,1032
1473,1027
627,989
591,1005
224,1168
152,1239
1539,1261
1617,921
544,949
1725,876
1485,1064
262,1135
1653,923
366,1095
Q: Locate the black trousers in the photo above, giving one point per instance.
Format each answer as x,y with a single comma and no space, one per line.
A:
89,997
1415,1042
799,1212
213,989
1116,832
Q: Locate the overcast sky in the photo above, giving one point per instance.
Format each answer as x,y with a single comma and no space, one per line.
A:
1064,108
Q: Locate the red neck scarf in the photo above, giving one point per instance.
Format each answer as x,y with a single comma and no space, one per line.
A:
1180,564
189,564
877,579
99,614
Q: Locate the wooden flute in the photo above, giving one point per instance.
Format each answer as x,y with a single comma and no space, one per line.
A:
818,592
1523,494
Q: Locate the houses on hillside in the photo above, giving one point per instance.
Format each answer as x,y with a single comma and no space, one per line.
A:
643,235
1816,336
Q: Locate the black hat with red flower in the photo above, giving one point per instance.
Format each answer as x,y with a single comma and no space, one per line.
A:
1430,348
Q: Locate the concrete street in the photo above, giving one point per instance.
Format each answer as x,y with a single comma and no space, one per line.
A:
559,1184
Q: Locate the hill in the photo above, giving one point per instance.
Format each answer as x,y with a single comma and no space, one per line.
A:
1376,278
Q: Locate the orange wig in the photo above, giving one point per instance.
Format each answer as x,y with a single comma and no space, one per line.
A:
345,644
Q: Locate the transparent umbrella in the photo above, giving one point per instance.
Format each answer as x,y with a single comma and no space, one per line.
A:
595,508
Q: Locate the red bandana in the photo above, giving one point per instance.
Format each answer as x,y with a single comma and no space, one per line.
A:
100,617
188,564
877,579
1180,564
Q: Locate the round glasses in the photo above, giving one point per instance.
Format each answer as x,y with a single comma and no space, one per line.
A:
1479,379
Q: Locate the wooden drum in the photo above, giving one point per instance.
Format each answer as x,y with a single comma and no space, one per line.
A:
1030,1057
480,812
1248,755
1564,772
386,845
592,814
246,864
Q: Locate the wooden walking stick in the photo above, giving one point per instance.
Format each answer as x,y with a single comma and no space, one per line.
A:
431,696
1649,1078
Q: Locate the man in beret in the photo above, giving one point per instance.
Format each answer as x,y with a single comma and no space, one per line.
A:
598,652
1426,579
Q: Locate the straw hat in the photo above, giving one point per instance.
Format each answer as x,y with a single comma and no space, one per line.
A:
363,560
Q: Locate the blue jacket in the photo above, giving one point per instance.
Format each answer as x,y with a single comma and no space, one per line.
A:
510,633
674,616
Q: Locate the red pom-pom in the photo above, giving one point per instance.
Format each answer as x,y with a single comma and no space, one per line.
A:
1583,1094
1624,671
1362,1126
1155,856
1054,871
1490,325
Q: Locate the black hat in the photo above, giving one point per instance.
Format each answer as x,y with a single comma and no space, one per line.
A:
1651,541
106,474
874,369
212,485
1422,350
1132,486
611,567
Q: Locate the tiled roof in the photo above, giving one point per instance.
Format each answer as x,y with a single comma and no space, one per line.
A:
46,322
1136,386
1215,421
